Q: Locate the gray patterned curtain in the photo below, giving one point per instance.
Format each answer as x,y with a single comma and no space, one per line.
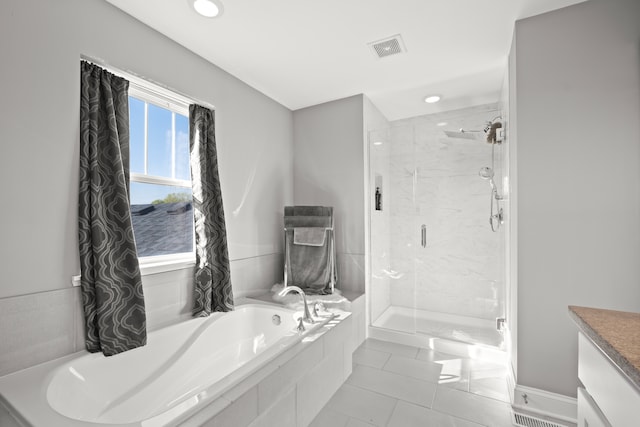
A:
111,287
212,277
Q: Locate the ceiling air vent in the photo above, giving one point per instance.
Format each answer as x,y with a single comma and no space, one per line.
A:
389,46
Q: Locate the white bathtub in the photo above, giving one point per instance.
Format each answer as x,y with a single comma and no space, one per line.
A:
182,369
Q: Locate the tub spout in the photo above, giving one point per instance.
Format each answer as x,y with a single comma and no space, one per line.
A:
306,316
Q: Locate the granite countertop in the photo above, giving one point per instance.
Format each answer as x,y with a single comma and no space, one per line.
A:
616,333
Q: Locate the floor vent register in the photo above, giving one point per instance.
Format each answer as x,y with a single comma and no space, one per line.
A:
529,421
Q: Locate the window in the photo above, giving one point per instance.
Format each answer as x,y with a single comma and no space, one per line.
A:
161,199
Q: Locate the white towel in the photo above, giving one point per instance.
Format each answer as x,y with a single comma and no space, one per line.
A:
309,236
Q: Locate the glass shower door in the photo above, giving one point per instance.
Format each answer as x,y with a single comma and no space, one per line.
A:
395,233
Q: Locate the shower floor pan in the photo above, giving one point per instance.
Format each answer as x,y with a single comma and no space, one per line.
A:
439,331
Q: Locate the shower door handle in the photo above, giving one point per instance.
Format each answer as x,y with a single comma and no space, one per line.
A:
423,235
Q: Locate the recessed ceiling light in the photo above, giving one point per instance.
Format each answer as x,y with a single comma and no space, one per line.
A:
442,124
207,8
431,99
377,143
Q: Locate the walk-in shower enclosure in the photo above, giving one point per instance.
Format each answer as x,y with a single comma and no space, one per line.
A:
436,266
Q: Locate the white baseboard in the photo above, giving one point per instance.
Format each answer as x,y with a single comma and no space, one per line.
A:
545,403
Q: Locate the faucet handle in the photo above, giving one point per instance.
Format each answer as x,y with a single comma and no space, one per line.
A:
318,306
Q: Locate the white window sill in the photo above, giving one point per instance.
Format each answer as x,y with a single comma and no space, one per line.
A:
155,265
161,264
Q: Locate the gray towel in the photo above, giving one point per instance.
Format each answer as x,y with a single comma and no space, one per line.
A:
309,236
309,266
307,221
308,211
309,250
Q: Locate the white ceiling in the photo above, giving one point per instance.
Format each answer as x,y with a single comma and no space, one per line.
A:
305,52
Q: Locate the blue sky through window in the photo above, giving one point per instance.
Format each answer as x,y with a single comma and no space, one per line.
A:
136,135
183,170
145,194
159,150
159,141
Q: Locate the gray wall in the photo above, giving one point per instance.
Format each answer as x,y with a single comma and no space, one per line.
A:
328,166
578,178
40,47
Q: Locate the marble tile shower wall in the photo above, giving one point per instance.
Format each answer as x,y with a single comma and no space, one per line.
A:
458,271
39,327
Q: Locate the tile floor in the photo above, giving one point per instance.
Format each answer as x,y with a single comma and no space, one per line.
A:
395,385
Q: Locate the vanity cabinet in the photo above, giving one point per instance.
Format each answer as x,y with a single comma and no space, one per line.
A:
609,394
589,415
613,399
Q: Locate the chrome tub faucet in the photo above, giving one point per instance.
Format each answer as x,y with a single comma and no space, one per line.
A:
306,317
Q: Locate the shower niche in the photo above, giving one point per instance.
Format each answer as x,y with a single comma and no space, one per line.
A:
377,195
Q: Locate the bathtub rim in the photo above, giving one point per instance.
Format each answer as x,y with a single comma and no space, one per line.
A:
18,387
213,390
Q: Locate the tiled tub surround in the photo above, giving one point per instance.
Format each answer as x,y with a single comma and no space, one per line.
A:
289,390
43,326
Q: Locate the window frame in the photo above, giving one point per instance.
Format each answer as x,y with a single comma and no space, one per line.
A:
176,104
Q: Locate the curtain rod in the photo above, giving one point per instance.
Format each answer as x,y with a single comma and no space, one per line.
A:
142,81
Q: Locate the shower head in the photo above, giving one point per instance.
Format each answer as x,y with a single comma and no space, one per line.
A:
465,134
488,132
486,173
